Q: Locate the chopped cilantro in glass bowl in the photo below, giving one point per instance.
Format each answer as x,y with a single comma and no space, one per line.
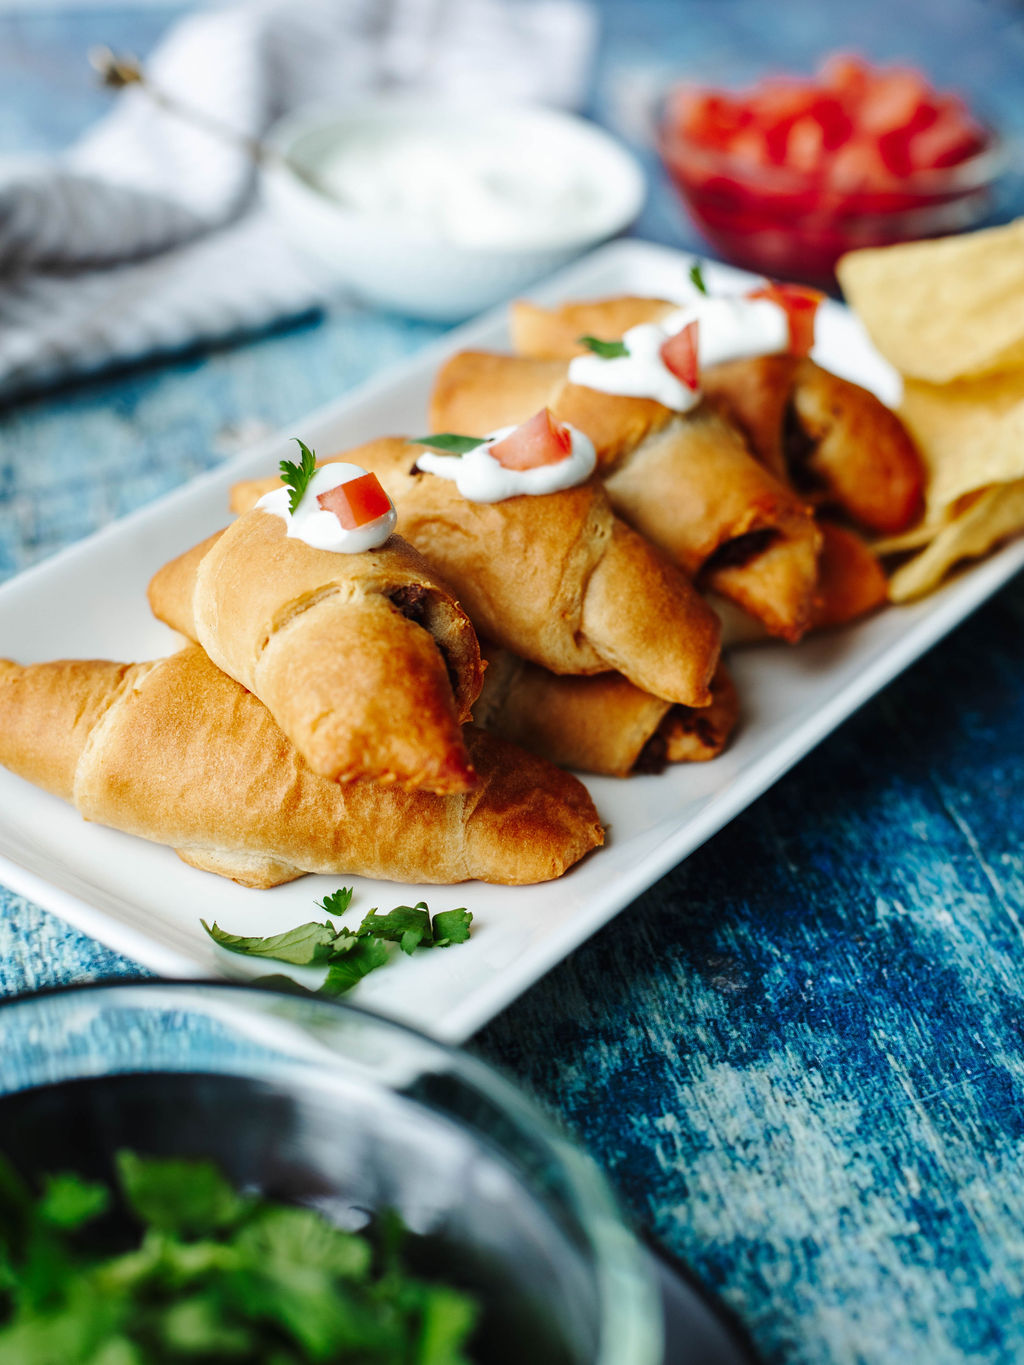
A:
205,1172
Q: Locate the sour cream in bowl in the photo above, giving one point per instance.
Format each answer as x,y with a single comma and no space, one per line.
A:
438,211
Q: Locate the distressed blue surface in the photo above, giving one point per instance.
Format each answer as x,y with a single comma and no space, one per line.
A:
800,1055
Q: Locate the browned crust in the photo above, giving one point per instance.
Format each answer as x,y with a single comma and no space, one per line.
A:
697,736
851,581
178,753
553,333
689,484
322,640
604,724
531,572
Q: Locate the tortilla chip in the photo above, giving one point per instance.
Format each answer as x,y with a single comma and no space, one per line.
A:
992,516
971,435
915,539
943,309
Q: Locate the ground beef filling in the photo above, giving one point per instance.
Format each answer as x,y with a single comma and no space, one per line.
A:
653,756
798,449
740,550
411,601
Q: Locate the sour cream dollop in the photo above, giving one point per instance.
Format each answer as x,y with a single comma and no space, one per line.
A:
322,529
727,329
480,478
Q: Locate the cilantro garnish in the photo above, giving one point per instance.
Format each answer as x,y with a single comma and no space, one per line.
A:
175,1267
607,350
350,954
697,278
297,476
448,442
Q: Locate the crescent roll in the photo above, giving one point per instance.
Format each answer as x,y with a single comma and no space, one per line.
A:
556,578
178,753
601,724
835,441
365,660
688,482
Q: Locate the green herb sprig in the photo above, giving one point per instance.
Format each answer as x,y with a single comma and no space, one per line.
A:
697,278
296,477
607,350
351,954
177,1267
448,442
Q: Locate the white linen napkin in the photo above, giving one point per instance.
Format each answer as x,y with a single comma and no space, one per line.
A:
147,235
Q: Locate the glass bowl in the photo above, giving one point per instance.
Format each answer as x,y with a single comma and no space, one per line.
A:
331,1106
779,222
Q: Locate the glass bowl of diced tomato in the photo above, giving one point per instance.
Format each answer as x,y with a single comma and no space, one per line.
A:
786,176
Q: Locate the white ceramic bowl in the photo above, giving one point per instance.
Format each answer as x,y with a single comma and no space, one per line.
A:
397,261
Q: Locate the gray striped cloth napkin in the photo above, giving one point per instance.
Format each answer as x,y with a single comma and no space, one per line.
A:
148,236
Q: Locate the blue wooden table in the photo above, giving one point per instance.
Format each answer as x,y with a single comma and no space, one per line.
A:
800,1057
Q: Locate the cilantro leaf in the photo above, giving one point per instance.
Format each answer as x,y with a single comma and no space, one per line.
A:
451,926
212,1275
297,476
347,971
302,946
697,278
448,442
70,1202
407,925
337,902
190,1197
607,350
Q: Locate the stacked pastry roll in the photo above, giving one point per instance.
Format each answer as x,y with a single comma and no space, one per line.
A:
579,505
824,465
316,724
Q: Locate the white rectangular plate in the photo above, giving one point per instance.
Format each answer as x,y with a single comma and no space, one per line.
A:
89,601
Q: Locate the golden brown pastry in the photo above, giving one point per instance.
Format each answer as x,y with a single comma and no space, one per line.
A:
851,581
601,724
177,752
557,578
554,333
688,483
835,441
365,660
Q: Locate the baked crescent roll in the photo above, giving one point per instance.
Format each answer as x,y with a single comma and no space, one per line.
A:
601,724
554,333
835,441
851,583
556,578
365,660
688,483
177,752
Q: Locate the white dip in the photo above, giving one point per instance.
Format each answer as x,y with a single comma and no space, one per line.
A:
322,529
480,478
727,329
464,186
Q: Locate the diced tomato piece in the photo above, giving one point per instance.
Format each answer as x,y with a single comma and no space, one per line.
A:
537,442
952,137
679,354
892,99
846,74
800,305
357,502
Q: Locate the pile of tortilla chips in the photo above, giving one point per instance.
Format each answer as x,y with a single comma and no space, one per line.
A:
949,314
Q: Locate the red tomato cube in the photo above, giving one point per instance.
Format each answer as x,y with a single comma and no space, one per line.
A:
539,441
800,305
679,354
357,502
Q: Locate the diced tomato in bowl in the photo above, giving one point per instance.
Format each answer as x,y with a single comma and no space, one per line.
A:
785,177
